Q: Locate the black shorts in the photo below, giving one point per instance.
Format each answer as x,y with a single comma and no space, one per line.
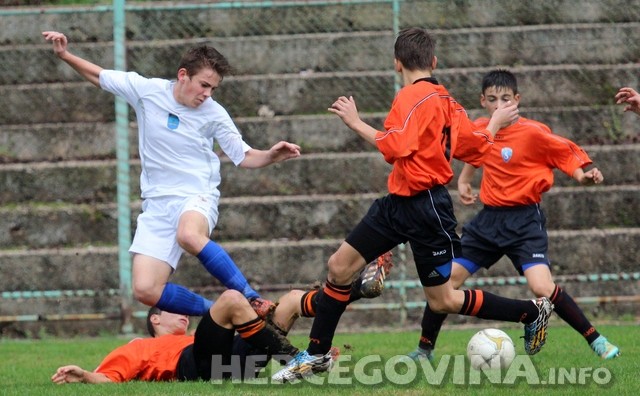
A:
518,232
426,221
217,353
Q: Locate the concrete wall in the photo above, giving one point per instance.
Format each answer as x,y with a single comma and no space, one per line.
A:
58,220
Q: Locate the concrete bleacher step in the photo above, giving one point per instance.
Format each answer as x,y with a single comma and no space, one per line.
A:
315,133
295,217
348,51
95,181
277,20
58,218
290,94
291,262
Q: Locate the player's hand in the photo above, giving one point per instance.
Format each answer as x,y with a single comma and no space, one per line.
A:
59,41
346,109
629,96
591,177
282,151
465,192
506,114
68,374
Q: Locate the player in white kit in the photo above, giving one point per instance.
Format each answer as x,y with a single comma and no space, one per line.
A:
178,122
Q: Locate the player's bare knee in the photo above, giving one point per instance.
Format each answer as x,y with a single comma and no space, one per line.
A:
339,271
440,306
542,289
146,294
232,299
189,240
457,281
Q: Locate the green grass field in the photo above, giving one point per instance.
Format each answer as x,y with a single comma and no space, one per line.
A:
565,366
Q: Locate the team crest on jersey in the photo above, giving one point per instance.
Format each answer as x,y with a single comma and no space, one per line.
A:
173,121
506,154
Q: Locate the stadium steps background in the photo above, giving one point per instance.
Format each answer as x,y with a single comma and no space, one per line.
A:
58,218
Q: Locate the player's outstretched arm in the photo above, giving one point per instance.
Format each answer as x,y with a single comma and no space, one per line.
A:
70,374
88,70
280,151
630,97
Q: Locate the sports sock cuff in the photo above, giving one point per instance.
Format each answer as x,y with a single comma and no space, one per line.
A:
337,292
250,328
307,304
473,300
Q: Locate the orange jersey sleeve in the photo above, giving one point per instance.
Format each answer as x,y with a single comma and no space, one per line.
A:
473,143
420,138
519,168
145,359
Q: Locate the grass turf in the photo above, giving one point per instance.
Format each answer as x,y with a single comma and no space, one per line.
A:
566,365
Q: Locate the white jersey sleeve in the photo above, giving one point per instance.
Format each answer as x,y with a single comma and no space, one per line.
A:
175,142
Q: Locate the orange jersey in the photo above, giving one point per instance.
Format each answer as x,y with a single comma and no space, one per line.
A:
145,359
422,133
519,168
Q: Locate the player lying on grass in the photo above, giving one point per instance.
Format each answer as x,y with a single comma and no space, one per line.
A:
517,172
171,354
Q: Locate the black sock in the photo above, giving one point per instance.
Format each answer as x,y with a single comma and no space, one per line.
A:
263,336
308,303
331,303
485,305
568,310
431,325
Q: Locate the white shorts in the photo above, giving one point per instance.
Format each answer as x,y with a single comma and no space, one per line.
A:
157,225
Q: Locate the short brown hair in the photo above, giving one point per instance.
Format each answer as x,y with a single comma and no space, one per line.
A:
415,48
204,56
152,311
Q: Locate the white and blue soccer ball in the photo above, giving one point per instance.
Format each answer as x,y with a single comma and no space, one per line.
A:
490,349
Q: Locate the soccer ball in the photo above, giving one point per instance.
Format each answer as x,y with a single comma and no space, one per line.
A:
490,349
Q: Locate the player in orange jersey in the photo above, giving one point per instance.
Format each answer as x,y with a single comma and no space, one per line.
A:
421,136
515,174
171,354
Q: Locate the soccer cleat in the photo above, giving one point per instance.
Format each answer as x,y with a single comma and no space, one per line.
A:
264,308
603,348
535,333
304,365
371,280
421,354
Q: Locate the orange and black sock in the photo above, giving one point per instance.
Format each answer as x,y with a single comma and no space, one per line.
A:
485,305
566,307
262,336
308,303
330,304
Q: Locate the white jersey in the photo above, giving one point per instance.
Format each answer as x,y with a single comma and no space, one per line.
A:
176,141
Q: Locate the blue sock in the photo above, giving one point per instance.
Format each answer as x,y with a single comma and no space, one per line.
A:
220,265
178,299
